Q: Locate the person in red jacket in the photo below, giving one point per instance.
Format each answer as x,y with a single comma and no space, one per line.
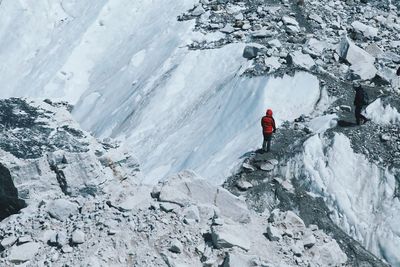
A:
268,125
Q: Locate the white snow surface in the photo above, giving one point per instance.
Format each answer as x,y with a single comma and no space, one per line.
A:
381,114
135,80
360,194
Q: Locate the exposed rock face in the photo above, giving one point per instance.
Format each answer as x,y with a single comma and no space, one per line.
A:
9,201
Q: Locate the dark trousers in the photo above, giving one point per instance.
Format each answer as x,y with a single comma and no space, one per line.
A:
358,115
267,142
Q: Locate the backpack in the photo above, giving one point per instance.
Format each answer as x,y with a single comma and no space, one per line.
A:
365,100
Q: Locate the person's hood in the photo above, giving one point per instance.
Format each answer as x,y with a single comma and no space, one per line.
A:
269,112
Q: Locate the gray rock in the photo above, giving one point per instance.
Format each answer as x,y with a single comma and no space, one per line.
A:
243,185
300,60
78,237
61,239
8,241
275,43
316,18
230,235
290,21
176,246
24,252
273,233
294,222
227,29
24,239
192,213
297,248
374,50
309,240
61,209
250,51
199,10
366,30
267,167
168,207
362,63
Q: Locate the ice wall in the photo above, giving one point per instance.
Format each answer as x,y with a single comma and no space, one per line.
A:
360,193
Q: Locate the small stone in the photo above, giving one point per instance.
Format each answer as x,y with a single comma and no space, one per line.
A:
243,185
247,166
267,167
176,246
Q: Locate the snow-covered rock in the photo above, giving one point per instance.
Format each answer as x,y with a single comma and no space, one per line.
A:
362,63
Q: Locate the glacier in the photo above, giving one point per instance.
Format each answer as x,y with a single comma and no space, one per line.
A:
119,73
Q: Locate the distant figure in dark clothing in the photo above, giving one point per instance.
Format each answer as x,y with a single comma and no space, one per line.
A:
268,125
360,100
398,72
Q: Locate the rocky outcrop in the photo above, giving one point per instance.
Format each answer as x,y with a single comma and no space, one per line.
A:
9,201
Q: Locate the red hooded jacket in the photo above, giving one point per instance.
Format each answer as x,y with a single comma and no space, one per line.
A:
268,123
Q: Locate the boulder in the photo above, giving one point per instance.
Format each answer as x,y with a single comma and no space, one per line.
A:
374,50
328,254
294,222
24,252
237,259
61,209
251,51
243,185
275,43
273,63
362,63
263,33
227,29
367,31
199,10
273,233
316,18
186,189
230,235
290,21
192,214
300,60
314,47
176,246
267,167
78,237
309,240
8,241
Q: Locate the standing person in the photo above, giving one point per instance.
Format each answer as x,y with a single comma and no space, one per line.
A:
268,125
360,100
